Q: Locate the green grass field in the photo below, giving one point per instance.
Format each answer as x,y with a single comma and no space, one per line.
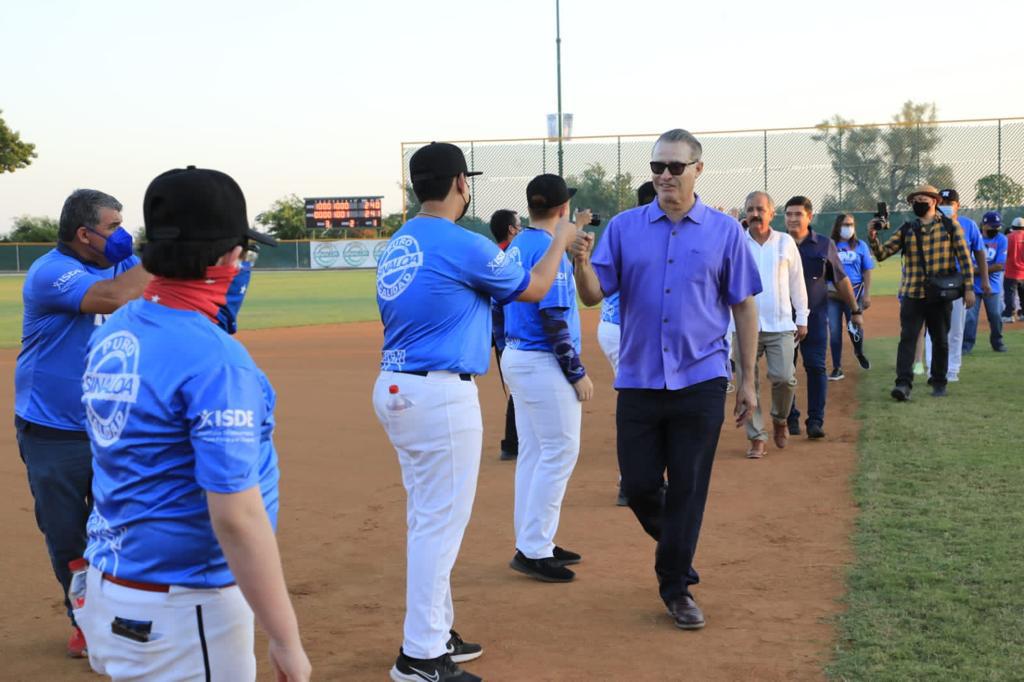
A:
296,299
275,299
935,592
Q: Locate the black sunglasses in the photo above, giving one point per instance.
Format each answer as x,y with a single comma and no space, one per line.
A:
674,167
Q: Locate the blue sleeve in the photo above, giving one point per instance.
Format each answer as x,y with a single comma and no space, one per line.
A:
225,408
488,269
740,277
59,285
556,330
607,258
866,261
974,239
1001,245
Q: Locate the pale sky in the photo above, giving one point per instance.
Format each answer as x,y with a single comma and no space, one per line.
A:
314,98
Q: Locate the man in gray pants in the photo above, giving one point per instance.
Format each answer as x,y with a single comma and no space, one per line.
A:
784,294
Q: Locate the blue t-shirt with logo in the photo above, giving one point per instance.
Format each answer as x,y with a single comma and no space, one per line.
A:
972,235
48,375
995,252
523,328
610,308
435,282
175,407
855,260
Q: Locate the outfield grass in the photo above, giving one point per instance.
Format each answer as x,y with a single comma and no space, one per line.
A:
275,299
936,589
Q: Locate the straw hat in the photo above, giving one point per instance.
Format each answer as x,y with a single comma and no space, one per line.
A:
927,190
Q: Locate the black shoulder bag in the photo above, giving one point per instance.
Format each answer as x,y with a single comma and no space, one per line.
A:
940,288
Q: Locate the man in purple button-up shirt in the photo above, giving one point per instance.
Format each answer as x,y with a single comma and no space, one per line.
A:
679,267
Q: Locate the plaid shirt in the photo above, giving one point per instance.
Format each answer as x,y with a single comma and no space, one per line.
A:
940,253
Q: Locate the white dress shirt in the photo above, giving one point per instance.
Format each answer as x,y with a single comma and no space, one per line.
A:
782,281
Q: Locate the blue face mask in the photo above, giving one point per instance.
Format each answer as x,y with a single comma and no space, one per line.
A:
227,316
118,245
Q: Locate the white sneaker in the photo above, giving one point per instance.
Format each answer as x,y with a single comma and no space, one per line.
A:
951,377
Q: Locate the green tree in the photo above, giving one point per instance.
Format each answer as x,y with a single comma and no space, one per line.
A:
28,228
998,190
882,164
14,153
285,219
603,195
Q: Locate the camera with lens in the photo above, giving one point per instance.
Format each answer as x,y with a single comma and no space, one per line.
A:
595,219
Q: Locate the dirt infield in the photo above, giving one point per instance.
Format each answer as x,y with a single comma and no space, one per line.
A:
772,552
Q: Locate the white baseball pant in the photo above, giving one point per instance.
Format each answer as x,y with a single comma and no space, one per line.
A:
548,416
957,321
438,440
197,635
608,335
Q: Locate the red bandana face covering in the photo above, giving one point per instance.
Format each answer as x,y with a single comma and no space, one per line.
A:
203,295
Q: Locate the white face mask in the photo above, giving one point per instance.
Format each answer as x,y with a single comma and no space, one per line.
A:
846,231
946,211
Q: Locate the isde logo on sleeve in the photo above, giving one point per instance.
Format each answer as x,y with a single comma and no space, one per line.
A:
110,386
398,266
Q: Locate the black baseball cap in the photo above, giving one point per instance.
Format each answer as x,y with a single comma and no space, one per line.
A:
198,205
950,195
437,161
547,191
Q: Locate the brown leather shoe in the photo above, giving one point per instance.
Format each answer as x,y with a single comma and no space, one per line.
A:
758,449
781,434
686,613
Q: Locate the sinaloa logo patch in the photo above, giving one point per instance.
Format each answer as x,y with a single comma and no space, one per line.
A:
110,386
399,263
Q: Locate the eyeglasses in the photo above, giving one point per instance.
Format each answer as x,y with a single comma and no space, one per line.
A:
674,167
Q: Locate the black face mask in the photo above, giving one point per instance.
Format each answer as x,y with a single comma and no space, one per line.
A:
921,208
464,209
992,231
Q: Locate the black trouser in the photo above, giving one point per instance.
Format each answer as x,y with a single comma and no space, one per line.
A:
677,431
510,443
913,313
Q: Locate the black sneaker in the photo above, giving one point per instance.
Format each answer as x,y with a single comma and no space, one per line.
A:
1001,349
622,500
939,391
814,431
837,374
440,669
507,456
864,362
547,570
565,557
462,651
901,393
794,428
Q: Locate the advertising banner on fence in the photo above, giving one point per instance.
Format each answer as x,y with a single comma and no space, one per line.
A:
345,254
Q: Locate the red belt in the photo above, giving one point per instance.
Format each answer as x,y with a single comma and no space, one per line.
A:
147,587
135,584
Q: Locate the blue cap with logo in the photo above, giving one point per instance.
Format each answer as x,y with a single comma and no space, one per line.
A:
992,219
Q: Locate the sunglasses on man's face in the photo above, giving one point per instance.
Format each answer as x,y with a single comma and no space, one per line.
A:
674,167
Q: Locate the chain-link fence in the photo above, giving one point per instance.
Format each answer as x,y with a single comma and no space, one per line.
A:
838,168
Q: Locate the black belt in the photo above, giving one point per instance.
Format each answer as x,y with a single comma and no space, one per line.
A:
423,373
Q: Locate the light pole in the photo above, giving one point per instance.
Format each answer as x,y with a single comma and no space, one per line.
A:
558,60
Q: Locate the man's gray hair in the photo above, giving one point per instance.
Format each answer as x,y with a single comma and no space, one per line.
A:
680,135
83,208
759,193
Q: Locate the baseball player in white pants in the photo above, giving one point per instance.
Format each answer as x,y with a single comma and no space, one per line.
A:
182,554
542,367
608,332
435,282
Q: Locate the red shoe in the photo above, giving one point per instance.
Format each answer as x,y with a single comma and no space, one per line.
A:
76,645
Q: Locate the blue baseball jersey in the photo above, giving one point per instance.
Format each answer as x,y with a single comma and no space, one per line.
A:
435,282
855,260
175,407
610,308
973,237
995,252
48,375
523,328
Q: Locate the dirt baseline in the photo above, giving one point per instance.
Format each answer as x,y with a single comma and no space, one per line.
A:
772,552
